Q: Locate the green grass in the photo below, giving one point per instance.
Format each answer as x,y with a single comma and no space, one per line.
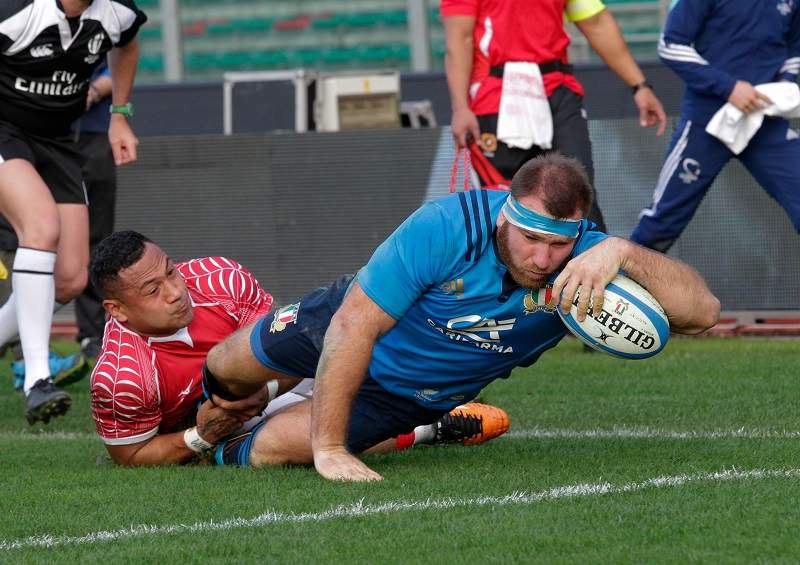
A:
64,485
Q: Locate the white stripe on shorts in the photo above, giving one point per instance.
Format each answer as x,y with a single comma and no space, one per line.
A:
670,164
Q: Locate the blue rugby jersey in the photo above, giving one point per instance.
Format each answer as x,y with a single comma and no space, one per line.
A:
711,44
461,322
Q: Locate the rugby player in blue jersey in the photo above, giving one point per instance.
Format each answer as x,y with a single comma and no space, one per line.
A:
447,304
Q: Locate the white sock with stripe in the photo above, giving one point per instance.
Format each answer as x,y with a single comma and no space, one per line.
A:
8,319
9,329
34,287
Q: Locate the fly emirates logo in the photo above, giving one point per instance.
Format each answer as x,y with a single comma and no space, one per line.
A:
483,333
62,83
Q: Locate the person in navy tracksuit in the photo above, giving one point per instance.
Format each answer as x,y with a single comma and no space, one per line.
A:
721,49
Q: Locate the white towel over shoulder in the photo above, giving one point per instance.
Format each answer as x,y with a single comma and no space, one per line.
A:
735,128
524,118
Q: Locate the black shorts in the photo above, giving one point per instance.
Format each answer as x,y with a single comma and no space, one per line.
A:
56,159
289,340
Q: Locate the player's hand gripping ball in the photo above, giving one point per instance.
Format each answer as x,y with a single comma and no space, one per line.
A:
632,324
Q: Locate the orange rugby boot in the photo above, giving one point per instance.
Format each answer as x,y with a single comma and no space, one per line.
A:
471,424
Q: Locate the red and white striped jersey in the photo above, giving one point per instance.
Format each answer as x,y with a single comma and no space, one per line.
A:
142,386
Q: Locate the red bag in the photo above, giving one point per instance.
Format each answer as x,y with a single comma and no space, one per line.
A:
474,159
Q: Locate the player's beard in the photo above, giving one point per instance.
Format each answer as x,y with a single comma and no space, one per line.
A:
522,277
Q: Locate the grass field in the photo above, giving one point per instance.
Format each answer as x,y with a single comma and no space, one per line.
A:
691,456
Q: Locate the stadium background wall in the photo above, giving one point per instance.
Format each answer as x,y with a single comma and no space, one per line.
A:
301,209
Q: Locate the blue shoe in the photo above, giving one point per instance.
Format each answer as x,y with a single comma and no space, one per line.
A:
18,374
66,368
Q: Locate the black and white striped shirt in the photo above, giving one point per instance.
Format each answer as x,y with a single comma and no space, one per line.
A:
46,60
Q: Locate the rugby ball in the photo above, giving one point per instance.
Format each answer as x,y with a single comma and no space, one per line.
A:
632,324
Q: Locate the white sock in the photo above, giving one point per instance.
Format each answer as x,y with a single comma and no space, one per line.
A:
9,329
425,434
8,319
34,287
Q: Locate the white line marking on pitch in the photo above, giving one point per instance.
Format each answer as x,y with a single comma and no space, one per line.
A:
534,433
361,509
650,433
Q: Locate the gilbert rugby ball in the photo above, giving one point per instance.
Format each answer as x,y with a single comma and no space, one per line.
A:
632,323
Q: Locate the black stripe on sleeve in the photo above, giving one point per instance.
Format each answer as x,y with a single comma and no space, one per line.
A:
467,223
487,213
476,213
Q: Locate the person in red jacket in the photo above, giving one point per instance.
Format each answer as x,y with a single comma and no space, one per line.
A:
486,41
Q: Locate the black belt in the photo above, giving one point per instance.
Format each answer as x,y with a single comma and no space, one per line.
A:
544,68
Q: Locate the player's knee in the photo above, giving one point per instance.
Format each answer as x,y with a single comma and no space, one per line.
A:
270,450
267,456
215,360
225,359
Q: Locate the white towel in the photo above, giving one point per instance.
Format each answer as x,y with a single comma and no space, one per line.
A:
524,118
735,128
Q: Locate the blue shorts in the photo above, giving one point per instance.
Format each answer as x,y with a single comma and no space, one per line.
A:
377,415
289,341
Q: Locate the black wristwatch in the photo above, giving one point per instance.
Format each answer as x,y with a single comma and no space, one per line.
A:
637,87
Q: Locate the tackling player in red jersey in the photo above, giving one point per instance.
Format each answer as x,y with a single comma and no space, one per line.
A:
147,396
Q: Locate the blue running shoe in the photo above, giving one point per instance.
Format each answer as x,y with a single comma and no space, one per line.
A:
66,368
18,374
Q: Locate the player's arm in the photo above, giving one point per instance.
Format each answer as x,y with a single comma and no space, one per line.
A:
458,34
99,88
690,306
684,24
123,61
213,425
346,354
402,268
603,34
159,450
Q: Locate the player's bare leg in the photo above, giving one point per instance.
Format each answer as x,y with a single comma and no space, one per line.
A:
28,205
233,372
72,263
285,438
237,371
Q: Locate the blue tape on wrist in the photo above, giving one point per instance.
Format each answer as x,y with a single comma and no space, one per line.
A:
527,219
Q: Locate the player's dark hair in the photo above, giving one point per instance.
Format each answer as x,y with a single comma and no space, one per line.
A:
118,251
560,181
